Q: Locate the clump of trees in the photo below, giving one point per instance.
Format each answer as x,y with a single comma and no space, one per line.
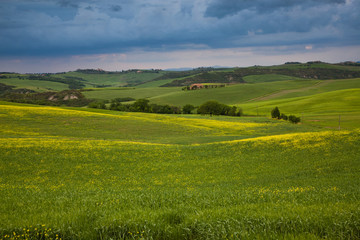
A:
275,113
188,108
144,105
216,108
140,105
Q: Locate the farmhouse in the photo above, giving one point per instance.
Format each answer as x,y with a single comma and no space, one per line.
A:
196,86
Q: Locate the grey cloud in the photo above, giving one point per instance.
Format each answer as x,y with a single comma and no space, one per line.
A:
116,8
67,3
48,28
223,8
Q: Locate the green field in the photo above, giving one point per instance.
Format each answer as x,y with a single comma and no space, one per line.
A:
35,85
114,80
95,174
82,173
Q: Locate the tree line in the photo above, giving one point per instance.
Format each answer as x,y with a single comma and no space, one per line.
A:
144,105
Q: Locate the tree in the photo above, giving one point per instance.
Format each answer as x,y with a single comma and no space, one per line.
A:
97,104
187,109
210,107
232,111
275,113
283,116
141,105
294,119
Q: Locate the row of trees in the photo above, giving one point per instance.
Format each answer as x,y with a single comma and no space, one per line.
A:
275,113
143,105
140,105
216,108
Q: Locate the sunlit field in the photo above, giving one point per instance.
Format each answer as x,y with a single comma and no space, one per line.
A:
81,174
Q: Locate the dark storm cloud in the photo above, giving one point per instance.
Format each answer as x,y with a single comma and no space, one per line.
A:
116,8
67,3
222,8
64,27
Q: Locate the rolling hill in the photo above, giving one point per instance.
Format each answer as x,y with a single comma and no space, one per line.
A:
91,174
85,173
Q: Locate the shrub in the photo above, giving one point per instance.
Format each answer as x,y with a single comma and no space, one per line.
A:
283,116
294,119
97,104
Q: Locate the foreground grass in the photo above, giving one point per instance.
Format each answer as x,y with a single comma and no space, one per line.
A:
75,184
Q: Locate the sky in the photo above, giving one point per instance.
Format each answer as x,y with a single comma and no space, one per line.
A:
115,35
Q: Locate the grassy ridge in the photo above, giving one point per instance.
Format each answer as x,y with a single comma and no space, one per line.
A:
78,173
107,94
77,180
115,79
231,94
320,109
35,85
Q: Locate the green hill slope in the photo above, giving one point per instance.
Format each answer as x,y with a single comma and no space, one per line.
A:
231,94
341,101
95,174
320,109
35,85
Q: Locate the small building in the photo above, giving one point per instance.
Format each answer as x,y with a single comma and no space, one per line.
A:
196,86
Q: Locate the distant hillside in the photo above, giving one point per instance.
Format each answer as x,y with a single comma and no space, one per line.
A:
310,70
208,77
98,78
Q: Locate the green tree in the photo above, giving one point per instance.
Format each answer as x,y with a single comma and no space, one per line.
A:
187,109
294,119
141,105
210,107
275,113
283,116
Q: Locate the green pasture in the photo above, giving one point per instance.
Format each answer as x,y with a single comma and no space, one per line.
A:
231,94
114,80
137,93
269,78
314,65
321,109
18,120
322,87
80,173
36,85
68,173
152,84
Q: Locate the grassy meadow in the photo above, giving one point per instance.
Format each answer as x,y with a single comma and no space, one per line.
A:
35,85
82,173
70,173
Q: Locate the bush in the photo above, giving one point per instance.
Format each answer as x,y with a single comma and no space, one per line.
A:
97,104
294,119
124,99
283,116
